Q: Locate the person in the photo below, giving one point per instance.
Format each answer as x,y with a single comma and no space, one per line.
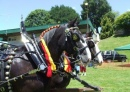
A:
77,69
82,70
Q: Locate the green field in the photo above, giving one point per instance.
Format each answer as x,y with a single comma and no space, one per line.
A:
110,76
113,42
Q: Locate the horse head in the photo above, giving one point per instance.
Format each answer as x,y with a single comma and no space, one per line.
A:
85,54
95,52
74,39
64,38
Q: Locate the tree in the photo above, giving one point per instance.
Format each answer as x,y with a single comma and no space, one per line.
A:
63,14
123,22
38,17
95,9
111,15
107,27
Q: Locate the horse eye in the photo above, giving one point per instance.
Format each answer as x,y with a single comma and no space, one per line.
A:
75,29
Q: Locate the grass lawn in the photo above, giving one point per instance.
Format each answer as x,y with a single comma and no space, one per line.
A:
110,76
113,42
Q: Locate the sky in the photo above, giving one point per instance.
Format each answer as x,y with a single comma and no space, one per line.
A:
11,10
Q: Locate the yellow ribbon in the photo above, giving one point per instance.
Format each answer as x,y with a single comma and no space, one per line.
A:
53,66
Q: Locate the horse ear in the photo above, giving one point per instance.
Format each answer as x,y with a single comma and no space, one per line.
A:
72,23
76,24
90,34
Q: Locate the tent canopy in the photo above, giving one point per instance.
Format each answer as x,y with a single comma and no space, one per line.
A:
90,24
125,47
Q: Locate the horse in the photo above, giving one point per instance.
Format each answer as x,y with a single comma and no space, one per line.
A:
58,39
92,42
85,58
94,57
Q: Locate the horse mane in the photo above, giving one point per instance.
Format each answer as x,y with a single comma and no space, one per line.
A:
43,33
70,24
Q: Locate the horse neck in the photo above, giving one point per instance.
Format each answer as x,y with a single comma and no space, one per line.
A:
56,43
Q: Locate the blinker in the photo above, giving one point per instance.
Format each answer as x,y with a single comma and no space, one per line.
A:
91,44
75,37
75,48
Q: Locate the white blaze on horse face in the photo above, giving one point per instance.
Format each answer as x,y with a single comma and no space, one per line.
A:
99,56
88,53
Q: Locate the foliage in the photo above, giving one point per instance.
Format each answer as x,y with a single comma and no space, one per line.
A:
95,9
63,14
123,22
111,15
107,26
116,14
38,17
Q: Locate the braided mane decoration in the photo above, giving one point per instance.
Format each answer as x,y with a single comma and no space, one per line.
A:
42,34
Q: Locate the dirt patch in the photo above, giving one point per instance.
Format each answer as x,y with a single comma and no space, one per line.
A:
118,65
124,65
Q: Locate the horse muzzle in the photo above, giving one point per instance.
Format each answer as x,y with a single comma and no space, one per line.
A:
96,62
100,64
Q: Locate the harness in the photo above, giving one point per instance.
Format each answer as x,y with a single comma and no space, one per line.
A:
65,64
7,55
39,54
35,53
39,48
91,45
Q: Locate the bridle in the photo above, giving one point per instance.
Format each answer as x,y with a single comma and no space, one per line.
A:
91,45
73,37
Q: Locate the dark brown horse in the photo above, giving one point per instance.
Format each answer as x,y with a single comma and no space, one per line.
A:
58,40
